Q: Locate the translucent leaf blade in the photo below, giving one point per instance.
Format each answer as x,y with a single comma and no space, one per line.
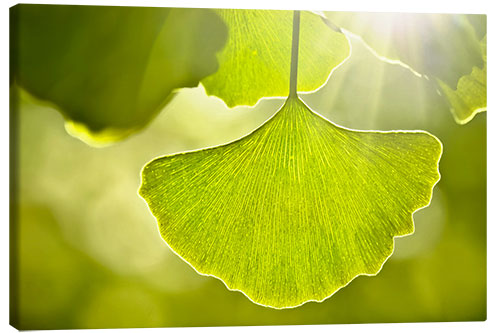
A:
470,96
255,62
441,45
447,48
295,210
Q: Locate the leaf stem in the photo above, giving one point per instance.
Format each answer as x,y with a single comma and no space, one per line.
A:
295,54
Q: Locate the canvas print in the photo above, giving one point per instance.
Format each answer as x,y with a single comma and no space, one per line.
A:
180,167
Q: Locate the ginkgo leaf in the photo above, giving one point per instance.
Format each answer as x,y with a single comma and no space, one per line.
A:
470,96
255,62
444,46
295,210
110,70
447,48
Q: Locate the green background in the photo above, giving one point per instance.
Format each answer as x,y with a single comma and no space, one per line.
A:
88,253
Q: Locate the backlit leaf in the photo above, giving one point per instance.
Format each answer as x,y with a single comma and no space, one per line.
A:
111,69
255,62
295,210
447,48
470,96
442,45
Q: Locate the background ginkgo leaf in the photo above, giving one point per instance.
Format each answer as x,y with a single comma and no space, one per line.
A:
296,209
442,45
470,96
447,48
111,69
255,62
392,96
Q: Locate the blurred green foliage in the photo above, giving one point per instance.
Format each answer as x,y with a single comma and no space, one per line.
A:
87,252
110,70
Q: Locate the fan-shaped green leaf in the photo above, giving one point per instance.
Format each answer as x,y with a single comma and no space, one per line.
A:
296,209
111,69
255,62
470,96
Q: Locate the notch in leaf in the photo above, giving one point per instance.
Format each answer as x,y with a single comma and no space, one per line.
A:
295,210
